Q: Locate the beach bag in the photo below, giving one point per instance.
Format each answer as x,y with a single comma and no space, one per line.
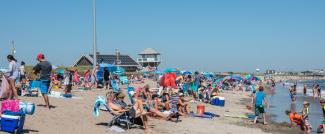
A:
10,105
27,108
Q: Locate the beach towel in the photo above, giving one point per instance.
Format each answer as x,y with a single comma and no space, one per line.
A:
115,86
100,101
4,89
10,105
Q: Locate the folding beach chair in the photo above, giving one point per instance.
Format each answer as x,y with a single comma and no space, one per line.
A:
124,118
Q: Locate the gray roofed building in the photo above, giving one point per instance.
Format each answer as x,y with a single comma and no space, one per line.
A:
125,61
149,51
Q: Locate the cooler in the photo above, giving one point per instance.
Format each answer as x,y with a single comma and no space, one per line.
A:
221,101
12,124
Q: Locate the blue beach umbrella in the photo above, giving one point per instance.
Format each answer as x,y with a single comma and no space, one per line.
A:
187,73
237,77
169,70
158,72
61,71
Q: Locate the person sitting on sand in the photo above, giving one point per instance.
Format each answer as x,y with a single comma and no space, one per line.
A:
214,92
295,118
183,105
148,105
305,117
164,97
260,102
116,103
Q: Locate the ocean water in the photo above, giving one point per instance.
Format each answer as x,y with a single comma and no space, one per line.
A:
280,101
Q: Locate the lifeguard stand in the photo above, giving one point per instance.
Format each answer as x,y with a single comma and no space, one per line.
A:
149,58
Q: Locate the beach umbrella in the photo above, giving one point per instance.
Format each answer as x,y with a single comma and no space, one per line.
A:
187,73
61,71
158,72
208,74
169,70
237,77
111,68
248,76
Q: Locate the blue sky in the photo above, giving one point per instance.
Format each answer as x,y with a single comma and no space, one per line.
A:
213,35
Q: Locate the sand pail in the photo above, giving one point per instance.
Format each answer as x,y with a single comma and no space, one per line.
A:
200,109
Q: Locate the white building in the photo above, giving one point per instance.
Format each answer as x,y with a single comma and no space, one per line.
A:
149,58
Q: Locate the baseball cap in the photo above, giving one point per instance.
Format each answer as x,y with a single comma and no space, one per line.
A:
40,56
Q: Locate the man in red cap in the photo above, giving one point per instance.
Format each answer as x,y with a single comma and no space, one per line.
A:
43,70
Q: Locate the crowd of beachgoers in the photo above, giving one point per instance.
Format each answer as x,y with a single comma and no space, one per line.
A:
169,100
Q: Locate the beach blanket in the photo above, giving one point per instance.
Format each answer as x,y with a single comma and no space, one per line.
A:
100,101
207,115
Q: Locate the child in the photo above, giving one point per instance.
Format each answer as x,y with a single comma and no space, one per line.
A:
305,114
295,118
260,102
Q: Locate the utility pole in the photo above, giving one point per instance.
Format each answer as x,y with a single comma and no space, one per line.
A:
94,35
13,50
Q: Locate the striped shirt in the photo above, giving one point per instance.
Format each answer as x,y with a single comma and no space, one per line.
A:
174,102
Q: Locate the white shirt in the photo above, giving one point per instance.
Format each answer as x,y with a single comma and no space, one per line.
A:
22,70
13,70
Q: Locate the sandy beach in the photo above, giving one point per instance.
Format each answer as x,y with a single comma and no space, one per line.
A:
75,116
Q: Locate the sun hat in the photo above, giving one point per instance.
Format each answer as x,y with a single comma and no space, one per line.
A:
306,103
121,95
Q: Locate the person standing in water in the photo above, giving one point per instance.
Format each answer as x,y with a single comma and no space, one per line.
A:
319,91
43,70
292,94
305,89
305,117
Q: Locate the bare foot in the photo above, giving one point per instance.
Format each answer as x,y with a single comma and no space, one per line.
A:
147,130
